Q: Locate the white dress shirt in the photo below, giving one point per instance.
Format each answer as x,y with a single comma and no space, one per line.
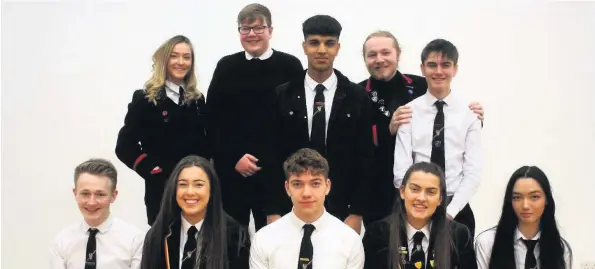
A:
184,237
425,242
267,54
485,241
330,85
336,245
462,146
119,246
172,91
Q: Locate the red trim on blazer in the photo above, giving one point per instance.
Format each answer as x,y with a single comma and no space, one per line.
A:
137,161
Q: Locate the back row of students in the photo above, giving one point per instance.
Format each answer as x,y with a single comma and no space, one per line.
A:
192,230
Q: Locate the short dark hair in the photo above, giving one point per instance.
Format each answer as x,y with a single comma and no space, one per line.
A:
324,25
253,12
97,167
444,47
306,160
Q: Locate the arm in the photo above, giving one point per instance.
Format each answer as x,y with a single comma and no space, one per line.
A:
403,153
364,151
239,252
483,251
471,170
357,256
296,68
375,247
128,149
137,251
56,258
465,251
258,258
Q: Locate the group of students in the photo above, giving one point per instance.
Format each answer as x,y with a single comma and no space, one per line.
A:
270,129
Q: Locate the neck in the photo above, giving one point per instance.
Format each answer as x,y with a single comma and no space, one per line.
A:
418,224
176,81
194,219
529,230
320,76
257,54
439,93
309,217
97,222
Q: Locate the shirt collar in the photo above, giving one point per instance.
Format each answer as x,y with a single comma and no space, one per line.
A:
318,224
186,225
411,231
519,236
267,54
328,83
431,99
103,227
174,87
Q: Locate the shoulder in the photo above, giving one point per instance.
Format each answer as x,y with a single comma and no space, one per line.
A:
230,59
460,233
485,239
379,229
67,234
284,56
127,232
123,225
341,229
356,90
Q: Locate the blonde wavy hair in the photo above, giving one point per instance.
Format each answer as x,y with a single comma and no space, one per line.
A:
160,60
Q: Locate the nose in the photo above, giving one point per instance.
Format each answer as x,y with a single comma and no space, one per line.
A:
525,204
322,49
92,200
422,197
307,192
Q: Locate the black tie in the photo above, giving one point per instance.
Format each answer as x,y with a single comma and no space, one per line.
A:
318,136
181,98
91,255
530,261
438,137
306,250
418,256
189,254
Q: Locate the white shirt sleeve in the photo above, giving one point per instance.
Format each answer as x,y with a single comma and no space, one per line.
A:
357,257
403,153
472,160
56,258
483,250
258,259
137,251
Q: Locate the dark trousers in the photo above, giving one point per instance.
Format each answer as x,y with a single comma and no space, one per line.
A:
241,196
154,188
466,217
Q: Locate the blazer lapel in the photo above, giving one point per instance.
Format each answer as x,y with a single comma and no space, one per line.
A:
298,99
173,245
337,103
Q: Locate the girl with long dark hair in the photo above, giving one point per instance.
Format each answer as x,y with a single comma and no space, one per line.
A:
527,235
191,229
418,233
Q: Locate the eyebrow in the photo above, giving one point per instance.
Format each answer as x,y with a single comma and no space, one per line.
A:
193,180
531,192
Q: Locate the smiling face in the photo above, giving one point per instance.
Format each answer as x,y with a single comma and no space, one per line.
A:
439,72
94,195
255,36
179,63
528,200
421,197
381,57
193,193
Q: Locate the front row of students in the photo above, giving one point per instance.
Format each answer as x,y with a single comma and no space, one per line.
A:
193,231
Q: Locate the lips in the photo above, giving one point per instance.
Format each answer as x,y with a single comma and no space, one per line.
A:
526,215
191,201
419,207
94,210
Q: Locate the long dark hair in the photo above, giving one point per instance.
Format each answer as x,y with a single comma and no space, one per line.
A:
551,255
214,227
440,223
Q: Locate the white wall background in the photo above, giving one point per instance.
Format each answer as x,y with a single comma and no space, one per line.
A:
69,70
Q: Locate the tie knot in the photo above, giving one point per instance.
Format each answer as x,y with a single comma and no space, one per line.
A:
319,88
418,237
530,244
93,231
308,229
192,232
439,104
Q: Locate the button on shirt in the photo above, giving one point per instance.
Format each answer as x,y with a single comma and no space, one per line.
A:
329,94
462,138
485,241
119,246
336,245
184,237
